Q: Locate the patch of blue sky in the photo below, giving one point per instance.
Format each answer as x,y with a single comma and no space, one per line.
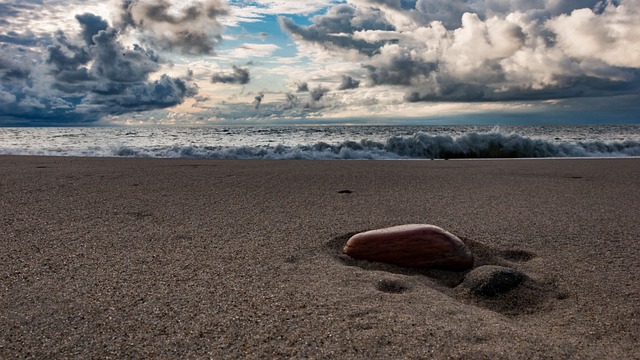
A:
266,30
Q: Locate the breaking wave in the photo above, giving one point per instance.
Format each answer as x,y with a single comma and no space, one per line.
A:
418,146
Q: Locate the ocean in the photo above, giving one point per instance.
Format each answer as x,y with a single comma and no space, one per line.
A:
326,142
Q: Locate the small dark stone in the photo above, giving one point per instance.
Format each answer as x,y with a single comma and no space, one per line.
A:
391,286
491,280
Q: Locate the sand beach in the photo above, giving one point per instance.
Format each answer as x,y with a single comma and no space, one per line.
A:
177,258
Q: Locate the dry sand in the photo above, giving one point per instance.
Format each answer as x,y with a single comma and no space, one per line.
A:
140,258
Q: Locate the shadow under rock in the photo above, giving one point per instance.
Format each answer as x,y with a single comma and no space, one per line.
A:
524,297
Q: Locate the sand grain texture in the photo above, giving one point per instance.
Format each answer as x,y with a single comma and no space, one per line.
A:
142,258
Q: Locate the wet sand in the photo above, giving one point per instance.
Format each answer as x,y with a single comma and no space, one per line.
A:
153,258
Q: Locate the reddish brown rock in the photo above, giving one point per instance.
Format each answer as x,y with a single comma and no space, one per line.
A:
411,246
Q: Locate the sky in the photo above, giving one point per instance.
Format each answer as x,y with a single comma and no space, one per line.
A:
208,62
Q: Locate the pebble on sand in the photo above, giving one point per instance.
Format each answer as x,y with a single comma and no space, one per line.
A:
414,245
491,280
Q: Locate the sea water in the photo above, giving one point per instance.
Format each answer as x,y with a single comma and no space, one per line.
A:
326,142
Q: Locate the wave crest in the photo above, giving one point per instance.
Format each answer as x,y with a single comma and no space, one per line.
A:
418,146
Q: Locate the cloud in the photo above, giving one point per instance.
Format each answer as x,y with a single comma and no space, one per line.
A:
256,11
194,29
612,36
293,7
237,76
397,65
408,15
91,25
249,50
26,39
318,93
141,96
12,70
291,101
396,53
12,9
82,78
257,100
494,50
348,83
302,86
332,29
101,59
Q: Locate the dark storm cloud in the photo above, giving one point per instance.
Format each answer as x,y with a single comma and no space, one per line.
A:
291,104
449,12
257,100
109,59
422,12
454,92
82,81
291,101
333,29
68,60
318,93
457,50
195,30
237,76
400,70
91,25
12,70
302,87
141,96
348,83
572,87
116,64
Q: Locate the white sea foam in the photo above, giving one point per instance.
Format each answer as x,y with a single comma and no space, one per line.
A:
359,142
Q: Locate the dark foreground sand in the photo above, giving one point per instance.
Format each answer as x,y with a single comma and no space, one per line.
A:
134,258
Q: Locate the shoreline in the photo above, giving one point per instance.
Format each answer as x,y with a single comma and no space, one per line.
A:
269,159
147,257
